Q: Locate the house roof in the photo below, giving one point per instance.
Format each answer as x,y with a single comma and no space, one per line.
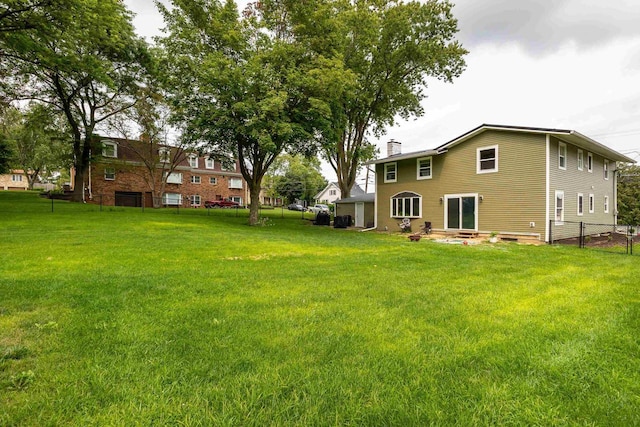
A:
413,155
571,136
355,190
365,197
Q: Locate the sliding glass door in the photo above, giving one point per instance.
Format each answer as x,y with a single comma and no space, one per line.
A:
461,212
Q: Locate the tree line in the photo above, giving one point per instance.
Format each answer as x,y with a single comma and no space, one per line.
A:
313,78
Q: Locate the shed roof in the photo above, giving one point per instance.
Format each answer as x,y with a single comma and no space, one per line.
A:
365,197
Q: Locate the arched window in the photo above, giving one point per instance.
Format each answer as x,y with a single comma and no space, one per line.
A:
406,205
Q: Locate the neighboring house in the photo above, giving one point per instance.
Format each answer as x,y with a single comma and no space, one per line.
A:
118,177
520,181
269,200
14,180
331,193
361,209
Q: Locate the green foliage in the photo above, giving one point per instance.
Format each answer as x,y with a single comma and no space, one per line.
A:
629,195
6,154
386,50
42,142
239,87
20,15
296,178
296,324
85,60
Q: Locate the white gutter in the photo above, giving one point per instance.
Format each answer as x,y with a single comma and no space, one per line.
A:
90,189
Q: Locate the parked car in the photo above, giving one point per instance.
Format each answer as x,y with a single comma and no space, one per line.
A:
221,204
319,207
296,207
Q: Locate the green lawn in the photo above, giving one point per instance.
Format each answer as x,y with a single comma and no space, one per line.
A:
124,317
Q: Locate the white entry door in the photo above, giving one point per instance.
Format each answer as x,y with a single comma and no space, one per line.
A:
360,214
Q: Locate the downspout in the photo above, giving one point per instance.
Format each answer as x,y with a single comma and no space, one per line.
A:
615,195
547,221
90,189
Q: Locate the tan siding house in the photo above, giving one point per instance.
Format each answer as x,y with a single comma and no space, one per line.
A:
15,180
502,179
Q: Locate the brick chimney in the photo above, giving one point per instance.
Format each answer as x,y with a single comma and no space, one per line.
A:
393,148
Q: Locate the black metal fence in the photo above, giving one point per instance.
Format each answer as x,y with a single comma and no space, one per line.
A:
609,237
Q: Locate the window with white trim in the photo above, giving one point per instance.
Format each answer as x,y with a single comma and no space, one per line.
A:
332,192
173,178
391,172
209,163
605,169
237,199
487,159
109,149
195,179
606,204
580,203
424,168
165,155
193,161
580,160
235,183
406,205
589,162
172,199
109,174
194,200
592,203
559,207
213,180
16,177
562,155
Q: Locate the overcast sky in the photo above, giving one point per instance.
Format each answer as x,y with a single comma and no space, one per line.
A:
570,64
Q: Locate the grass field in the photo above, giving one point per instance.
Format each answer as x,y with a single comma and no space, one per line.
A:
123,317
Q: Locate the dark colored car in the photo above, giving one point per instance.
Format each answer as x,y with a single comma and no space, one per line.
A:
221,204
296,207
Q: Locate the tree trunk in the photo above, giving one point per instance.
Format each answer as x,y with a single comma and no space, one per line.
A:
82,153
31,179
254,206
78,186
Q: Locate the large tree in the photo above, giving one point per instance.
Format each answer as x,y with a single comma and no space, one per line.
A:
391,47
87,62
242,86
41,142
297,177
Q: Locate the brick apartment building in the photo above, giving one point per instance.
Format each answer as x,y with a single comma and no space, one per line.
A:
119,176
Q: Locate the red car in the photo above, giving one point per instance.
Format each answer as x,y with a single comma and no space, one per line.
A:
221,204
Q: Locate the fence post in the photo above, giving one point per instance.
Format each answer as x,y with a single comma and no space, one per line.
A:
581,242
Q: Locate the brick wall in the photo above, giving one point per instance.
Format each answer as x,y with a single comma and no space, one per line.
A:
134,179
